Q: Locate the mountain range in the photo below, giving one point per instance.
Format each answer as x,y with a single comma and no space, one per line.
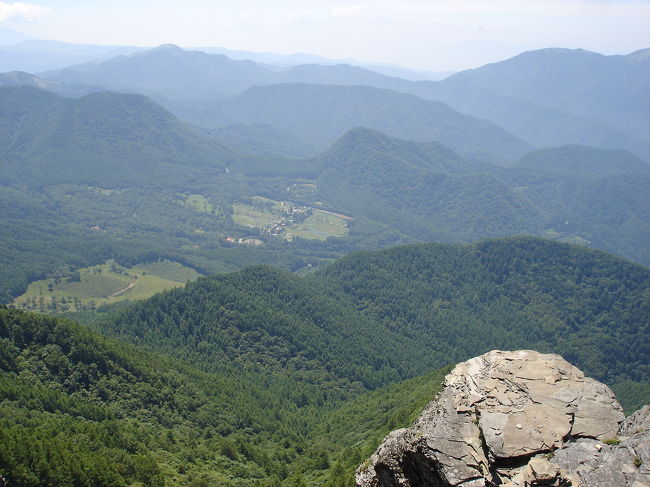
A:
120,162
262,377
355,234
595,100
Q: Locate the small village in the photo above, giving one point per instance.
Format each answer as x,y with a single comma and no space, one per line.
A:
285,214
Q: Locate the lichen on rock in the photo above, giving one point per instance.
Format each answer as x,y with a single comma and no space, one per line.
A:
510,419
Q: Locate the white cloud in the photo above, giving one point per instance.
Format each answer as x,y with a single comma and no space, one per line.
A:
346,10
296,15
26,11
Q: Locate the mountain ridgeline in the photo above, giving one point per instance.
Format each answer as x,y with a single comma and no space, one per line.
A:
310,197
377,316
320,114
125,167
100,139
545,97
263,378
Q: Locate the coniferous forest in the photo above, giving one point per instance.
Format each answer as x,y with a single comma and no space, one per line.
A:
244,269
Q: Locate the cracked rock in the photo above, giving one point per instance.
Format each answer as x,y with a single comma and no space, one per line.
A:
512,419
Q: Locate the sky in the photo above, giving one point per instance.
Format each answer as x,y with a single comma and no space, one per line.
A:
437,35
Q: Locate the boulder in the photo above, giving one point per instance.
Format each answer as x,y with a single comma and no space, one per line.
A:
514,419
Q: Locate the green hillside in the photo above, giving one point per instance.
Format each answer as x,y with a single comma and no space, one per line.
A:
380,316
264,378
101,139
78,409
588,162
320,114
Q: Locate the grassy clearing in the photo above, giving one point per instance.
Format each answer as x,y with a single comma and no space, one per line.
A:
284,219
107,283
321,225
198,203
169,270
245,215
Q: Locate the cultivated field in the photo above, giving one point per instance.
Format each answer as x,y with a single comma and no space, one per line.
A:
285,220
107,283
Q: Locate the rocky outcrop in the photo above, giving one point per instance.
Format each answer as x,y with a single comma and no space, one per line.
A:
516,419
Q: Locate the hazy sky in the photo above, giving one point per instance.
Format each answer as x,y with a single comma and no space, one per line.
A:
428,34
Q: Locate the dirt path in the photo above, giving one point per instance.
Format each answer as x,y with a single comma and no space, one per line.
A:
123,290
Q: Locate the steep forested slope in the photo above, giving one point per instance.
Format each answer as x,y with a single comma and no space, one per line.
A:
103,139
424,190
77,409
276,390
382,315
320,114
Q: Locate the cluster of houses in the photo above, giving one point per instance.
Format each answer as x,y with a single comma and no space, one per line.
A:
244,240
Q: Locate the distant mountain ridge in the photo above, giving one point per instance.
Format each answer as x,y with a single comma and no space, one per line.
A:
594,99
321,113
101,138
10,37
36,55
546,97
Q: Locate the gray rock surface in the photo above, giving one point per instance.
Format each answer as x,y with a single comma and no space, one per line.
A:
516,419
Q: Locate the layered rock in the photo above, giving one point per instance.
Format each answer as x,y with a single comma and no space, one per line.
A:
514,419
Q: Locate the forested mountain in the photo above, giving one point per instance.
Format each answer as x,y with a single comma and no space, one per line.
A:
428,192
378,316
425,190
545,97
321,113
265,375
100,139
610,89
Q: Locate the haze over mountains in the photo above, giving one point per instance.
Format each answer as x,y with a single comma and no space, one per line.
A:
120,162
283,183
596,100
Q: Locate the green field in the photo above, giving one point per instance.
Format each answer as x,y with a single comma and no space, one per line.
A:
198,202
264,212
256,216
107,283
320,225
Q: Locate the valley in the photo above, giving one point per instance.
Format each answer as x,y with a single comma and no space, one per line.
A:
284,220
245,269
